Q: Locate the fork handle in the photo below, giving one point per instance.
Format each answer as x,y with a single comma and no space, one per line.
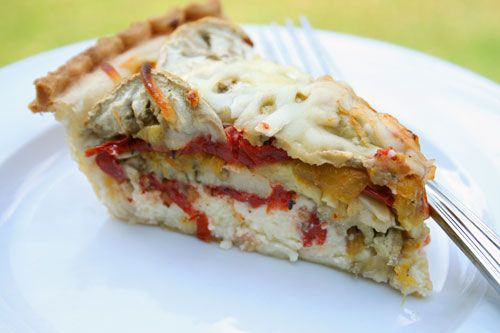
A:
476,240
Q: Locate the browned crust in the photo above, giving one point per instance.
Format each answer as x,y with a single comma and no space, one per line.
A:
56,82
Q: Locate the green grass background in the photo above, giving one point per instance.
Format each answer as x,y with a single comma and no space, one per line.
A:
466,32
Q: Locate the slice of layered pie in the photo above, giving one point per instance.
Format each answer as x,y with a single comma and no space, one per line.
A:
177,122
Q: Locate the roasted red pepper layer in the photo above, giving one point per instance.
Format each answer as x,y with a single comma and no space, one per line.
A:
380,193
111,166
178,193
278,199
119,146
237,150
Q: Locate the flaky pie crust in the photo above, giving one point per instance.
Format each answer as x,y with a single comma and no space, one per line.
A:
58,81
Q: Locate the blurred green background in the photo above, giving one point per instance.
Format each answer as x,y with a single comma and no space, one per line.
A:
466,32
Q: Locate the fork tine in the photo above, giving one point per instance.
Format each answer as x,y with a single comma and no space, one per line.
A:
268,48
279,42
327,64
315,61
298,46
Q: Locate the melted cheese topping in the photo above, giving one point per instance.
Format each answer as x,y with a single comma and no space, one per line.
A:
270,100
315,120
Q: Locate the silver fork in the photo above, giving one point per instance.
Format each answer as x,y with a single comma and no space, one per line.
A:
470,234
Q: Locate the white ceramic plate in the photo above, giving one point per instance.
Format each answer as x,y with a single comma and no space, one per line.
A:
66,266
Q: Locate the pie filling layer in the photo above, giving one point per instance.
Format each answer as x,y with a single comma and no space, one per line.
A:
272,217
237,151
